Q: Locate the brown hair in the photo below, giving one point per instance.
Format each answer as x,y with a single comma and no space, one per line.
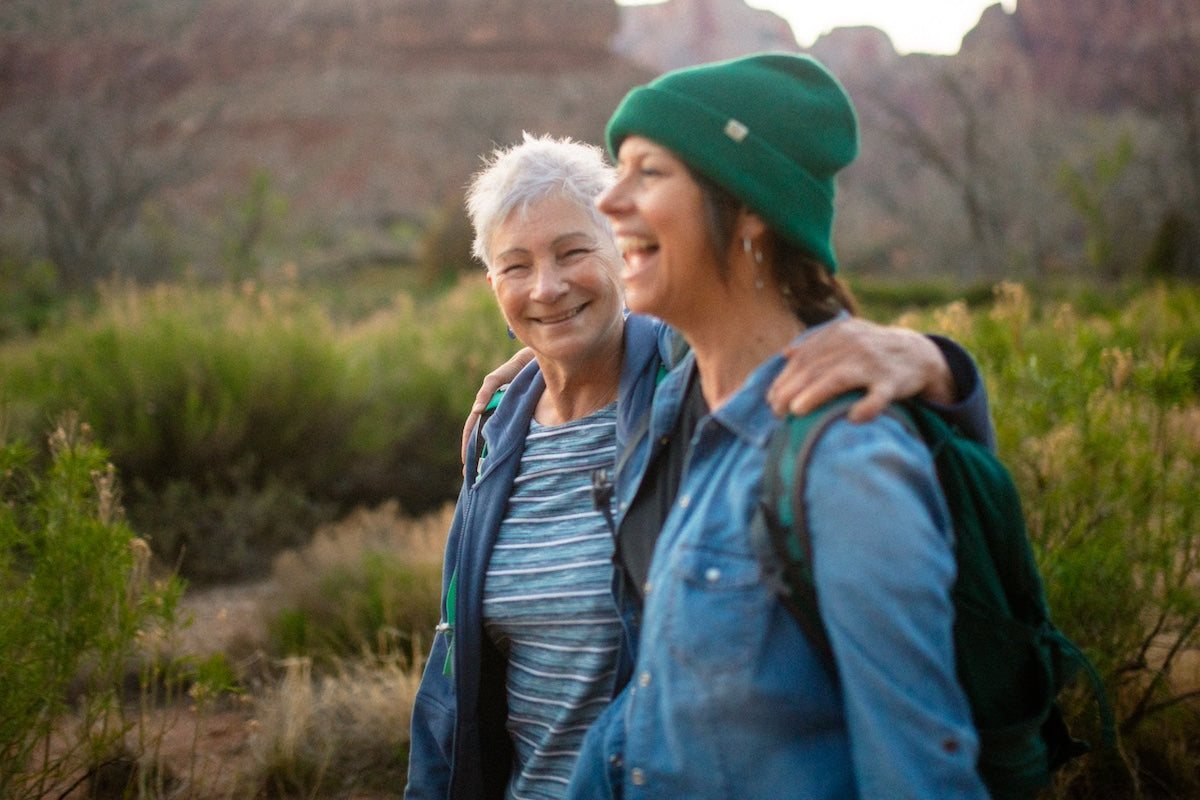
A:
812,291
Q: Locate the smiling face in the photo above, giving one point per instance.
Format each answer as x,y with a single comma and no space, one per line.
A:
658,214
554,272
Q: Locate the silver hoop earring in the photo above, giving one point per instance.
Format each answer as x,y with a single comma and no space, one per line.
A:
758,281
746,245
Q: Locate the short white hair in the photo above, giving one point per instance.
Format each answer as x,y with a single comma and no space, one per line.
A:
540,166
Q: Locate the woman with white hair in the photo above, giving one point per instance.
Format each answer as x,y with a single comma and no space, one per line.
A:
530,647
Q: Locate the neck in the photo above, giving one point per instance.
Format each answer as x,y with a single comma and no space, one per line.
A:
576,389
743,331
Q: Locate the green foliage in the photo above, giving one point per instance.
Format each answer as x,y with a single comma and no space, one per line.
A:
882,299
255,220
418,366
243,418
1089,191
1099,418
1175,249
28,296
371,583
218,535
75,604
379,603
445,251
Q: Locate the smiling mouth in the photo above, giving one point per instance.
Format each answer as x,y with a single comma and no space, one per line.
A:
632,245
563,317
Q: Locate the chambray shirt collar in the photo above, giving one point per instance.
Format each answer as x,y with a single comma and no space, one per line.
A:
745,414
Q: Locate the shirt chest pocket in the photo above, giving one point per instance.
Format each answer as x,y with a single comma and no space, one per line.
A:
714,610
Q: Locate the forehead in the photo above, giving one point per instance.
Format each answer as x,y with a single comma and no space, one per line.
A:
543,222
635,147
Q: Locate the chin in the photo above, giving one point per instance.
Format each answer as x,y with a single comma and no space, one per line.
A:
640,302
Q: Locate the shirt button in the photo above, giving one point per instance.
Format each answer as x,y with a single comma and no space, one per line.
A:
685,501
646,587
624,506
712,575
644,679
637,776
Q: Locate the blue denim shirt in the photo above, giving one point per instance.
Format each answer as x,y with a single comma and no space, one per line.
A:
727,698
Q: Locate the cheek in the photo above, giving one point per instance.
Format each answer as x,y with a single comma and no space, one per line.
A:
504,296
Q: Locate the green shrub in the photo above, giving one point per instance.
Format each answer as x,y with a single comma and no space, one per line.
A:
244,418
76,604
1098,417
227,535
369,583
419,366
29,297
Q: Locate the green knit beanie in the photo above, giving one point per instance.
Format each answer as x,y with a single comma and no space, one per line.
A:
773,129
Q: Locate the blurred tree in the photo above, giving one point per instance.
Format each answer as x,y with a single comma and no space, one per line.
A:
253,222
959,150
445,248
89,152
1089,195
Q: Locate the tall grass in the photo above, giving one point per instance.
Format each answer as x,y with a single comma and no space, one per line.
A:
338,733
372,582
354,611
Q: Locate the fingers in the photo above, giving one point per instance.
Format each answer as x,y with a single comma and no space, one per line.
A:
870,406
887,363
469,429
802,391
491,382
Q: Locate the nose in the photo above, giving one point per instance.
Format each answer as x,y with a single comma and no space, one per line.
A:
611,200
548,283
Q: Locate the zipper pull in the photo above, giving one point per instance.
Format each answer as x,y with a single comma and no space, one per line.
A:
602,495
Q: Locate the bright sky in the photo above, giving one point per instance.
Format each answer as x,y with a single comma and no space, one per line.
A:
924,26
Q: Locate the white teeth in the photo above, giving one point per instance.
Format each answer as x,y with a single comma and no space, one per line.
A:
628,243
560,317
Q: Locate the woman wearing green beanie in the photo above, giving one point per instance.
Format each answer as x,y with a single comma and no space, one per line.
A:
723,210
530,647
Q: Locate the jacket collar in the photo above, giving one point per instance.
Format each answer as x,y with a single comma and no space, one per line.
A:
506,430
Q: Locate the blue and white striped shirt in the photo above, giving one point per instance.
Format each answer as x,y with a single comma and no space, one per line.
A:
547,601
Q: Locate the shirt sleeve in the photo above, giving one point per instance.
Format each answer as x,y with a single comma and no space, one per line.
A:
970,413
884,567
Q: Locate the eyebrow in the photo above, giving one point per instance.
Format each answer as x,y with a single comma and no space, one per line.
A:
562,237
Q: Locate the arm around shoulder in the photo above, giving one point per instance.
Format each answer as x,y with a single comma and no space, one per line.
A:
970,410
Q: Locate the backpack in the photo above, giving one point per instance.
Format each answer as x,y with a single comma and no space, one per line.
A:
1011,659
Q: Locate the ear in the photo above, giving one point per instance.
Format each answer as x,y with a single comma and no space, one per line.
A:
749,225
488,275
